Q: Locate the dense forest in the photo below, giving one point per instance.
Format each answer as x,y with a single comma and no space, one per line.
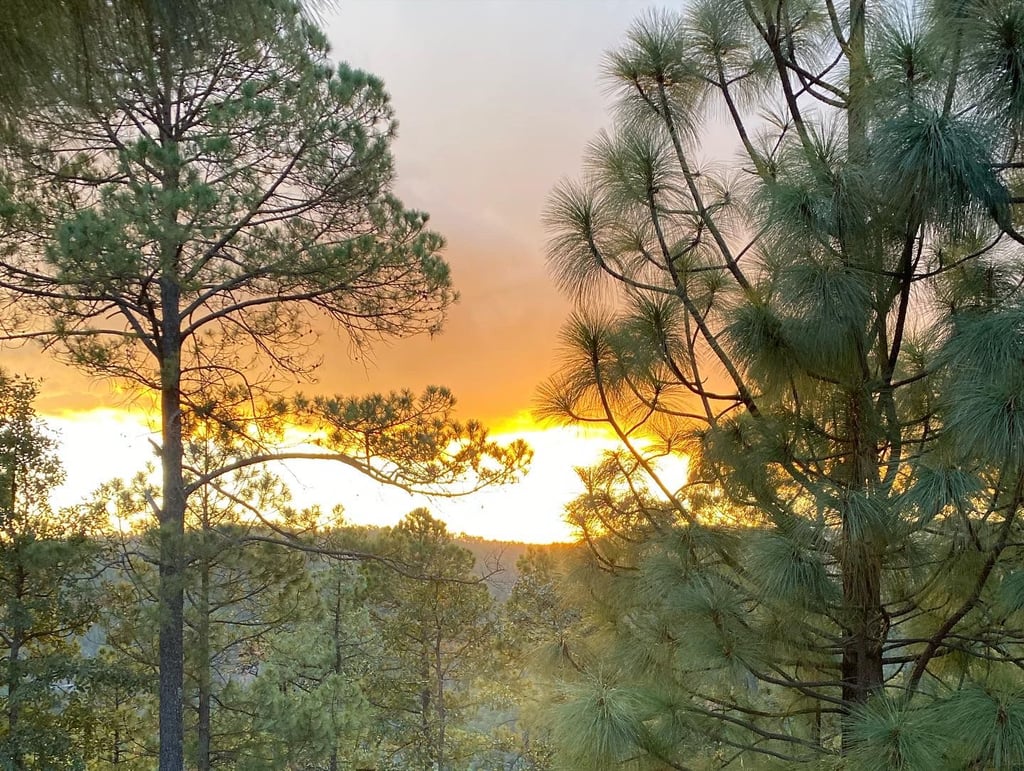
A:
309,643
827,325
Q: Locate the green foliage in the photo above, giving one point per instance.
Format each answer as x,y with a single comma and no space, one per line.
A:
284,119
412,442
437,638
309,689
29,467
828,329
242,584
318,647
189,193
46,597
888,735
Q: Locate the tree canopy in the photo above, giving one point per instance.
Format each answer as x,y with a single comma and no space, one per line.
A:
201,196
46,598
827,324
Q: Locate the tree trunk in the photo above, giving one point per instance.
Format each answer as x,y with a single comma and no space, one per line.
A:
172,531
203,730
115,752
864,631
439,673
425,699
856,114
172,512
864,619
14,673
864,634
337,657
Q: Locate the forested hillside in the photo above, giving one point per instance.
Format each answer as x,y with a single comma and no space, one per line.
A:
795,258
308,644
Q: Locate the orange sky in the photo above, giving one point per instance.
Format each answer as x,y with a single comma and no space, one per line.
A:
496,101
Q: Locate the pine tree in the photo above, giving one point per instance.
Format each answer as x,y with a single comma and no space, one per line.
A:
184,215
310,691
47,600
828,326
238,587
40,43
435,621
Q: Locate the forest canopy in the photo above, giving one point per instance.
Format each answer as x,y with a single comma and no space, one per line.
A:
829,328
826,325
184,196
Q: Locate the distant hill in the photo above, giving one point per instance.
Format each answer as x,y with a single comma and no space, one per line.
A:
496,560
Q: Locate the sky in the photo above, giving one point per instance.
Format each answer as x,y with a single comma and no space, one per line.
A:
496,102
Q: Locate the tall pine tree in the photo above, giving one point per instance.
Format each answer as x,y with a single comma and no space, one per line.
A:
828,325
187,212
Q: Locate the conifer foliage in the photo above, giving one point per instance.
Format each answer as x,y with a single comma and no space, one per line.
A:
828,324
201,195
46,598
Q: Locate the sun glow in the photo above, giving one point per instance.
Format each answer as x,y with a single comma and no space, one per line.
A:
101,445
530,510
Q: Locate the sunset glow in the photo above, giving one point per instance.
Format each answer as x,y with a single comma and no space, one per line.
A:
103,444
480,147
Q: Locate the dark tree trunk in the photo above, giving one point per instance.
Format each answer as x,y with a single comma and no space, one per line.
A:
337,656
856,114
865,626
864,619
203,728
172,530
441,715
865,623
172,513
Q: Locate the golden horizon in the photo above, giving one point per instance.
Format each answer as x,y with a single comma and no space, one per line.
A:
101,444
